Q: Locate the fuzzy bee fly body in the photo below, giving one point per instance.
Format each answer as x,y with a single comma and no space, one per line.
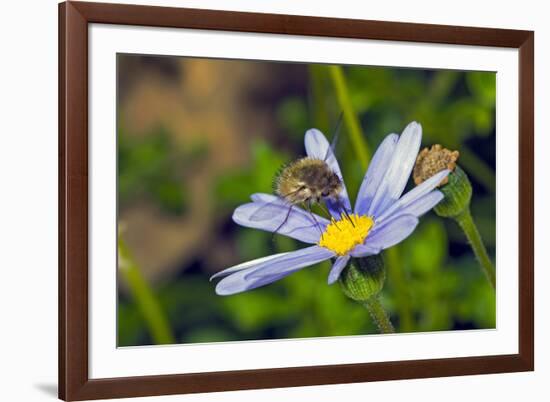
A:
307,181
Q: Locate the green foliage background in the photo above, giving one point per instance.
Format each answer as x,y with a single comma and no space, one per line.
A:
433,282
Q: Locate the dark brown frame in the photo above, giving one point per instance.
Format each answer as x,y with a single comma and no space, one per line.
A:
74,17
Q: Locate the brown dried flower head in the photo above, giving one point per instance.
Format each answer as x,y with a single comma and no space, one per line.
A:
434,160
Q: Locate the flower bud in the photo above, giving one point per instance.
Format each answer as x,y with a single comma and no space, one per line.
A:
455,187
363,278
457,192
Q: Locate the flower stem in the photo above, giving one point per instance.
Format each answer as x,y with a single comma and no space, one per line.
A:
350,117
466,222
379,315
146,300
362,151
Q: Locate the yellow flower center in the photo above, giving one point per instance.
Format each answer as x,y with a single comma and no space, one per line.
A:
342,235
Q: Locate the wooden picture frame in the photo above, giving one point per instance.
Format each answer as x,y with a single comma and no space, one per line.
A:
74,381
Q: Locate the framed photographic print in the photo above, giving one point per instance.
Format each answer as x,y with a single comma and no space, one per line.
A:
259,200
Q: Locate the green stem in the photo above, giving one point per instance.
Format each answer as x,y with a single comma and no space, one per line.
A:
468,225
350,117
379,315
362,151
318,106
146,300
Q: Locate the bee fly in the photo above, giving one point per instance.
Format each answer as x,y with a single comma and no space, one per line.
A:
307,182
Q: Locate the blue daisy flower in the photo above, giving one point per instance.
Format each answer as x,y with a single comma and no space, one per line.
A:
381,217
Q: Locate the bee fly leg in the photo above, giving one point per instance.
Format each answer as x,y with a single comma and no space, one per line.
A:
347,216
344,211
282,223
325,210
307,207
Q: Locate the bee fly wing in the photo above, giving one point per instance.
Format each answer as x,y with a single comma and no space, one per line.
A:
269,211
332,146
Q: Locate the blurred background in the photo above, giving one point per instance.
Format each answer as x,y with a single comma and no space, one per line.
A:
196,137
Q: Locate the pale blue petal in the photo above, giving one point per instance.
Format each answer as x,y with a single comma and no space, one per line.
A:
246,265
399,170
420,206
364,250
318,147
375,173
294,261
337,268
270,213
259,273
237,283
336,207
316,144
392,232
412,196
